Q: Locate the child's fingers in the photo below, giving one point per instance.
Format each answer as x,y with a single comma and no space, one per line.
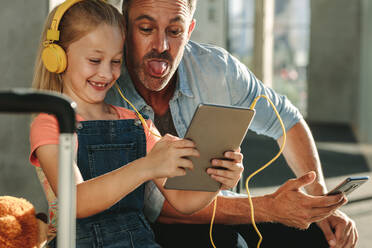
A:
169,137
179,172
187,152
173,141
185,164
183,143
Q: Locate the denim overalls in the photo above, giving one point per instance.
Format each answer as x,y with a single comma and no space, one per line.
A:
104,146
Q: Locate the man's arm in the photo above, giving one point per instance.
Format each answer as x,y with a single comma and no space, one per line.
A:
288,205
230,210
281,206
301,155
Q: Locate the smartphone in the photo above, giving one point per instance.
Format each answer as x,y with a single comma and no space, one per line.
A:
348,185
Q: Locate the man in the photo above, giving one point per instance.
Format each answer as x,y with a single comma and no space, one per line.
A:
166,76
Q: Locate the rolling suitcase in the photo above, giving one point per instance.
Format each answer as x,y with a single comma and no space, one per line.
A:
32,101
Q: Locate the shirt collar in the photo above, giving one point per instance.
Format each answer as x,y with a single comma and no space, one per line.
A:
182,79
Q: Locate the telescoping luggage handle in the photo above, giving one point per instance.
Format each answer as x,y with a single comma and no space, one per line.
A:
32,101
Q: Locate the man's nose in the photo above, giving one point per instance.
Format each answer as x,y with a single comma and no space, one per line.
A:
161,43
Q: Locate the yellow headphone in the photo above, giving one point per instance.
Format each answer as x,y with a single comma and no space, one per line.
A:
54,56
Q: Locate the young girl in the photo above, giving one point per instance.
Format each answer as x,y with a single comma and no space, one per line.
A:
115,154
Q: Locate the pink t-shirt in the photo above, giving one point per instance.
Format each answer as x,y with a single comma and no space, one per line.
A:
45,131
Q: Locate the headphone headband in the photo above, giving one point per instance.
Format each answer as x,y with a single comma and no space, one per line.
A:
53,32
53,55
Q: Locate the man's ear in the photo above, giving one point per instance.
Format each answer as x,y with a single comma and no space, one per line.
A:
191,28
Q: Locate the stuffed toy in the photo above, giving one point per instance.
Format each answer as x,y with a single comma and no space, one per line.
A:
19,225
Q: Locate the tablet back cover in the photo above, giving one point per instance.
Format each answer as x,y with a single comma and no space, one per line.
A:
215,129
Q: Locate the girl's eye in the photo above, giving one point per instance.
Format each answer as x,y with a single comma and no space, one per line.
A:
95,61
116,61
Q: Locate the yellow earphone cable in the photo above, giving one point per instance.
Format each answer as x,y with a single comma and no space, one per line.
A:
212,220
254,173
138,113
250,176
265,165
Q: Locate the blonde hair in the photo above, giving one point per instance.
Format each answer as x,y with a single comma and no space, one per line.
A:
80,19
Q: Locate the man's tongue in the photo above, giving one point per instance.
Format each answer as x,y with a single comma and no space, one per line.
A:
157,67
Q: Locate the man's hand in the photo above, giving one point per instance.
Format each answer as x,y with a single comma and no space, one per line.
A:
292,207
339,230
231,169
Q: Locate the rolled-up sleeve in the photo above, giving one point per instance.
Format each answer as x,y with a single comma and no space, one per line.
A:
245,87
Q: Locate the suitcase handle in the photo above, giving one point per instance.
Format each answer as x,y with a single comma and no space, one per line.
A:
28,101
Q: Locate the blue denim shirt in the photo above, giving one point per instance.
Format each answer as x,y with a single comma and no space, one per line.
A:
209,74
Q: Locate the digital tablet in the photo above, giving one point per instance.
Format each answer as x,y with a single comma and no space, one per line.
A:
215,129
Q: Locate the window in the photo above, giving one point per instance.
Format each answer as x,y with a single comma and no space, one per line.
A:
241,30
291,49
291,43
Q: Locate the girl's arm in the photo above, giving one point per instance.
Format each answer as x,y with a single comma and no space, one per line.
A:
97,194
166,159
185,201
100,193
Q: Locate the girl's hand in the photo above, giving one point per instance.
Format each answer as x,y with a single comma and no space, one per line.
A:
168,157
231,169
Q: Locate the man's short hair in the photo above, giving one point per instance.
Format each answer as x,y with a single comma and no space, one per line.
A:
126,4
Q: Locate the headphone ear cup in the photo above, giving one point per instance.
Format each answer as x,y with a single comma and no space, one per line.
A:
54,58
